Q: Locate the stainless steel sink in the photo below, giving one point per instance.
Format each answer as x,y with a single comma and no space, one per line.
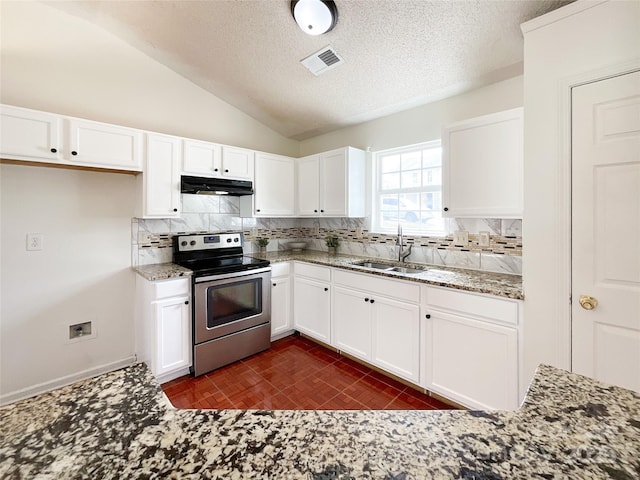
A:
406,270
389,268
377,266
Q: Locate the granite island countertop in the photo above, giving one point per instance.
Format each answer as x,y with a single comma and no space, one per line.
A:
499,284
120,425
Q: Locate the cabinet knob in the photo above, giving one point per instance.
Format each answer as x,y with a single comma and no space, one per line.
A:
315,211
371,301
74,152
226,170
215,169
366,299
326,289
427,316
54,150
274,284
257,209
175,209
446,209
187,302
321,211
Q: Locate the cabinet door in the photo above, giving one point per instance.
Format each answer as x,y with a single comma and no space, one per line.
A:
280,305
173,339
237,163
274,185
472,362
351,320
396,337
29,135
161,177
482,166
333,183
102,145
308,185
201,158
311,308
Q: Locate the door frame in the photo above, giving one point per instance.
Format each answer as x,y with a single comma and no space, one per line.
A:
564,209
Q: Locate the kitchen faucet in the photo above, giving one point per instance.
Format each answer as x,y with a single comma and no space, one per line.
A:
402,253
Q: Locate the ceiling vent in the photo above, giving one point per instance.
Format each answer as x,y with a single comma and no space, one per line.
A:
323,60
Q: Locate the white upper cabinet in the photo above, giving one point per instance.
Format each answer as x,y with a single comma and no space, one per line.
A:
161,178
237,162
30,135
274,188
206,159
482,166
102,145
201,158
332,184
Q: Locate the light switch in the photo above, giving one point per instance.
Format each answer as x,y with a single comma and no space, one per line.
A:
461,238
483,239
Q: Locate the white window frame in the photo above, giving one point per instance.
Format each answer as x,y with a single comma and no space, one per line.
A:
377,192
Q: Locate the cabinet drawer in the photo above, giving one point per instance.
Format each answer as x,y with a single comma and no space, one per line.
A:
397,289
171,288
494,309
280,269
313,271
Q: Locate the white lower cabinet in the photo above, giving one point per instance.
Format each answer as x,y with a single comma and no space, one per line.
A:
280,299
470,348
378,320
312,300
163,326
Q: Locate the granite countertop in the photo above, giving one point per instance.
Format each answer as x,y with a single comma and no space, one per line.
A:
120,426
162,271
499,284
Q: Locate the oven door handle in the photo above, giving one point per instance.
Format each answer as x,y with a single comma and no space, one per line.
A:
222,276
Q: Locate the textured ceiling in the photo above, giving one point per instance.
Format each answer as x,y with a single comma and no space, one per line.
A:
398,53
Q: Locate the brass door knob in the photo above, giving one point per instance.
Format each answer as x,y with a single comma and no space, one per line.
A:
587,302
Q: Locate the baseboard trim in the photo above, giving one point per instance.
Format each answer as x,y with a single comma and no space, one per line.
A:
167,377
34,390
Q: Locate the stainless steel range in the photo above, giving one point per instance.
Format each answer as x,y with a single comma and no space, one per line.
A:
231,299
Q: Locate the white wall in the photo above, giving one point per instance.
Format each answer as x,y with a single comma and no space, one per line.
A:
59,63
82,274
580,42
420,124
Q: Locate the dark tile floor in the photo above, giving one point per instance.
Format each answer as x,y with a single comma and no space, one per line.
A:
297,374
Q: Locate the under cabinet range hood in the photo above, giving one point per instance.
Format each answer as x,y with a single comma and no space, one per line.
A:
215,186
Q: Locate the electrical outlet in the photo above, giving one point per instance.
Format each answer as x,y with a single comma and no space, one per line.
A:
316,230
254,232
80,330
143,237
34,241
483,239
358,232
461,238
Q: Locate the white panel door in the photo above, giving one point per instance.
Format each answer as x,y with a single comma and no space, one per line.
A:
103,145
201,158
606,230
311,308
396,337
333,183
351,317
280,305
237,162
308,185
274,185
173,342
29,134
162,176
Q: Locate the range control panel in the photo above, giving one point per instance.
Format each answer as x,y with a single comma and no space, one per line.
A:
209,241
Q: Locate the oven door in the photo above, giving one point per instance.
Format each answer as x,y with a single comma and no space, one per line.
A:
230,303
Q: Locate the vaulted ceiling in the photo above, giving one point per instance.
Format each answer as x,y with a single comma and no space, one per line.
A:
397,54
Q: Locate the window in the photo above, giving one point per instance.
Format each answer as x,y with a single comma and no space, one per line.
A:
408,190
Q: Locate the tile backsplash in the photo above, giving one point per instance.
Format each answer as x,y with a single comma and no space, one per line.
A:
152,239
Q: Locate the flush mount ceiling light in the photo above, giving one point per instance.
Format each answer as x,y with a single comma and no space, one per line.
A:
315,17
